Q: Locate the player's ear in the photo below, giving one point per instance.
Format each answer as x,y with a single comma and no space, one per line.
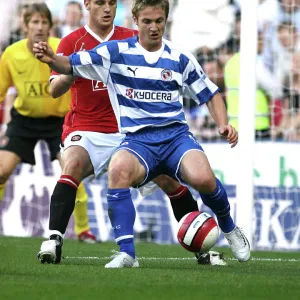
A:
134,19
25,28
87,4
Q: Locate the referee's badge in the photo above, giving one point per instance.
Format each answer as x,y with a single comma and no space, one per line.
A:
166,75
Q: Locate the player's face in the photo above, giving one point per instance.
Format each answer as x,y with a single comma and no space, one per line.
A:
101,12
151,22
37,28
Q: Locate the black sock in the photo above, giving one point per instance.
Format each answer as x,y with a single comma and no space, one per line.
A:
62,205
182,202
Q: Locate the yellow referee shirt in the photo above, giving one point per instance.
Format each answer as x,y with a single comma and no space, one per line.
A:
19,68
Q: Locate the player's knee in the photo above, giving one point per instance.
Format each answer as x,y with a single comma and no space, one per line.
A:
73,166
203,184
120,172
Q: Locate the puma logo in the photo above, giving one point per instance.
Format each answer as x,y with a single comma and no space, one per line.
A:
133,71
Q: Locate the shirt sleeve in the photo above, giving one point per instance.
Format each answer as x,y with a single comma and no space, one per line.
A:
6,80
195,81
64,48
92,64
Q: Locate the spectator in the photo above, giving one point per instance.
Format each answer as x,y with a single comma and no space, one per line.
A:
57,8
72,19
232,45
289,127
286,44
266,84
288,11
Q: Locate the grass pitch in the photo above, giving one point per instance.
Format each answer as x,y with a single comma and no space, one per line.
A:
167,272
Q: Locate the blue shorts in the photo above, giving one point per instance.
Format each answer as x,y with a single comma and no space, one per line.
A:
160,150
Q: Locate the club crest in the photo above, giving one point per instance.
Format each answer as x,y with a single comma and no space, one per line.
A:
166,75
76,138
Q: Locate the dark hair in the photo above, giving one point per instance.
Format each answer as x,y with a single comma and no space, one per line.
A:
286,25
40,8
139,5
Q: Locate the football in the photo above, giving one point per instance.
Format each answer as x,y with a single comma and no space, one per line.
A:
198,232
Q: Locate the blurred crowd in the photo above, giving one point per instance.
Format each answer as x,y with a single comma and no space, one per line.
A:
210,29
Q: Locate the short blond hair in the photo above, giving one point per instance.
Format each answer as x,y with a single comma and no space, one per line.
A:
139,5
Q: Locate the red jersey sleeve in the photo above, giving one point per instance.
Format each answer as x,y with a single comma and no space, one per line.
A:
65,48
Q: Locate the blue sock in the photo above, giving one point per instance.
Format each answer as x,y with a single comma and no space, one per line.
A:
218,202
121,213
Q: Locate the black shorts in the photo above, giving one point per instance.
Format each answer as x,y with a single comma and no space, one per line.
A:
23,133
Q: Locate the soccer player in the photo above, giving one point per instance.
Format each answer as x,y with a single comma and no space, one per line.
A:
35,114
146,76
91,132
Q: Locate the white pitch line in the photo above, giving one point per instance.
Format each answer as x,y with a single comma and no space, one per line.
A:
184,258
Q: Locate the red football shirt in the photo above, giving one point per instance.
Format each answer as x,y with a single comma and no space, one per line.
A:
91,109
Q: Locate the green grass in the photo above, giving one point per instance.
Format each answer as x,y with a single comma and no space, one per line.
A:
23,277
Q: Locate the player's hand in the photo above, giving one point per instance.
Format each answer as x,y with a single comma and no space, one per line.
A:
230,133
43,52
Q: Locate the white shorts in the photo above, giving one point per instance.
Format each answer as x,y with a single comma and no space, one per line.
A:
100,147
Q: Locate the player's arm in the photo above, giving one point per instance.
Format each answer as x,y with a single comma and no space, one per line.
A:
11,96
203,90
60,64
60,84
85,64
5,76
8,104
218,110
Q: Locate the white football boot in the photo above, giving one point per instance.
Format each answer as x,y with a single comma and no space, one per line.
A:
50,252
122,260
239,244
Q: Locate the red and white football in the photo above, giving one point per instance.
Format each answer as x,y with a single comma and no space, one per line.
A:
198,231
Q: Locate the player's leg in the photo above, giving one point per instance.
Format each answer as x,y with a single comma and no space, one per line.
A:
187,162
98,158
81,220
181,199
182,203
81,157
125,170
76,165
8,162
195,170
13,150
